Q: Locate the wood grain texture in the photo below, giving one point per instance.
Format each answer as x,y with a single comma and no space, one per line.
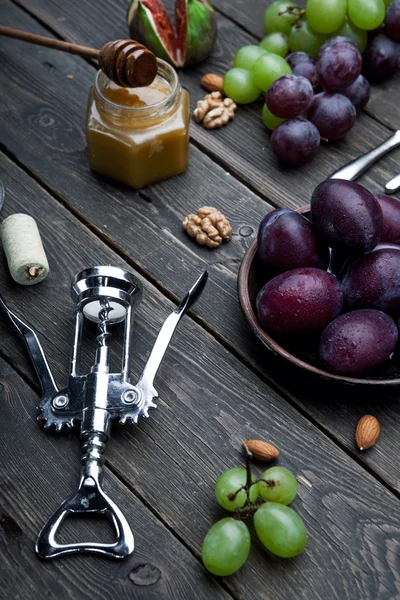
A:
38,471
50,108
209,402
251,159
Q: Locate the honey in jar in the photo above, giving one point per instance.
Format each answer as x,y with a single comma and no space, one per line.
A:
139,135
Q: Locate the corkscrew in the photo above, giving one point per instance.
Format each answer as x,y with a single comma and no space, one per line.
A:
105,296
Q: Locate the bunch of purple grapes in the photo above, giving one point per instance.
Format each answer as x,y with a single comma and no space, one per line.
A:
316,91
336,276
340,79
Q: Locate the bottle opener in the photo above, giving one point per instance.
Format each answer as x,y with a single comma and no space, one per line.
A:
106,296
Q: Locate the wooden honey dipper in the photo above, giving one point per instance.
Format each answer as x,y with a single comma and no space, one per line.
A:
126,62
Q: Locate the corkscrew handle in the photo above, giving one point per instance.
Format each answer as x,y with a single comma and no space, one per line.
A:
89,499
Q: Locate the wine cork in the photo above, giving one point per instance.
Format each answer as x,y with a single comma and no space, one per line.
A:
24,250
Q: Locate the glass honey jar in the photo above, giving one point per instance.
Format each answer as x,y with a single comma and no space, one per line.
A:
138,135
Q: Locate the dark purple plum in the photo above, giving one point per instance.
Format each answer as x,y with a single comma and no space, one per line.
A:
295,141
373,280
392,21
346,216
286,240
304,65
301,301
333,114
289,96
358,341
338,66
358,92
380,60
391,218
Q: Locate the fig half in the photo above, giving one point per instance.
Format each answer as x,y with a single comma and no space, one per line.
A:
187,42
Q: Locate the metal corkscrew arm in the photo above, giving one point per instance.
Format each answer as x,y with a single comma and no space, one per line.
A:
106,296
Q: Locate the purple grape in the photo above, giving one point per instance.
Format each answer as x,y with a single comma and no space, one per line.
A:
358,341
338,39
304,65
391,218
299,301
373,280
295,141
286,240
392,22
289,96
358,92
333,114
338,66
346,216
381,58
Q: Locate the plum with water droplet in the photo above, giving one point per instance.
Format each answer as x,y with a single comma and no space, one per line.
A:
300,301
373,280
358,341
286,240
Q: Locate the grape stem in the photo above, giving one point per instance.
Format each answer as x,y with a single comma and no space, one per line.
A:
296,11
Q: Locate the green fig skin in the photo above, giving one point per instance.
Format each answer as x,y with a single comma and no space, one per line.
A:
202,32
189,42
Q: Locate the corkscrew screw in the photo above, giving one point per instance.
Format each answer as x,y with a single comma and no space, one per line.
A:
106,296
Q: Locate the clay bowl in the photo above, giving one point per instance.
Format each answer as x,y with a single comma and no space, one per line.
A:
304,352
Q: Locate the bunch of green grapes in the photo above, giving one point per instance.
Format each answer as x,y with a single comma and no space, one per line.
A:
279,528
311,69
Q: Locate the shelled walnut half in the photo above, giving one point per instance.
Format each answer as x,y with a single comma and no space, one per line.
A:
209,227
214,111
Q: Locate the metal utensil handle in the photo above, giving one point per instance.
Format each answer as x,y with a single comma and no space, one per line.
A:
89,499
166,332
393,185
355,168
35,350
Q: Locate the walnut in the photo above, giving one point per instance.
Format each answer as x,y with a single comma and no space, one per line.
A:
210,227
214,111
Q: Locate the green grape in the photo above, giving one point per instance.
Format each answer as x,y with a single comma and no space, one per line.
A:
239,85
276,42
366,14
268,68
387,2
281,486
247,56
228,483
280,530
270,121
226,547
276,19
324,16
359,36
304,39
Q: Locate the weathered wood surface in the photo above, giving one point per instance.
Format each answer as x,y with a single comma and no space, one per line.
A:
51,108
208,403
252,159
38,471
209,400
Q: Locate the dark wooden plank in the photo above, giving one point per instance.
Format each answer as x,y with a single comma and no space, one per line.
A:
244,146
208,403
55,122
37,472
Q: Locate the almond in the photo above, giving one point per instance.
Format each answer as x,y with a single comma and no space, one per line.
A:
262,450
367,432
213,83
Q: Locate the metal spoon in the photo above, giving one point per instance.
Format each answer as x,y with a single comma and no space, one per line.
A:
356,167
393,185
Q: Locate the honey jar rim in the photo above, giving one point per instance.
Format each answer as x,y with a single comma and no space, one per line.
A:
140,111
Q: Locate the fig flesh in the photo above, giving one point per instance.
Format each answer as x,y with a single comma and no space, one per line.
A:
187,42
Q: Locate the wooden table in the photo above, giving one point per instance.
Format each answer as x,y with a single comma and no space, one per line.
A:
217,385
